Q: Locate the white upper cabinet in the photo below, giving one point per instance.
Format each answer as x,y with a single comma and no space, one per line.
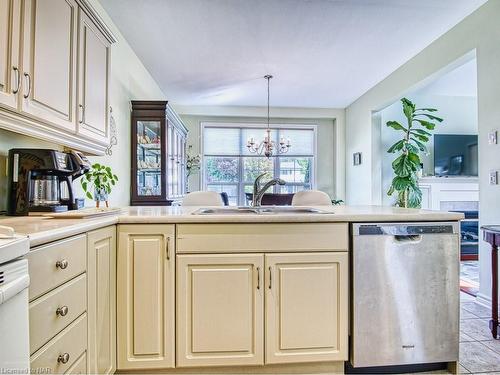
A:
93,81
54,72
10,75
49,69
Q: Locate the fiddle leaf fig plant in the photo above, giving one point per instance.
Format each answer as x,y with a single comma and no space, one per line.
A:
420,122
98,181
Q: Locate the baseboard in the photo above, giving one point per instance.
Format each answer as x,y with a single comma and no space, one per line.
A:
319,368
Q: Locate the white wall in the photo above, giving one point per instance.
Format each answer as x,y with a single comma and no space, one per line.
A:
480,32
459,115
129,80
330,161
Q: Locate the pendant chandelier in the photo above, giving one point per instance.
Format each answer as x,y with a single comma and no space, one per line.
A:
268,146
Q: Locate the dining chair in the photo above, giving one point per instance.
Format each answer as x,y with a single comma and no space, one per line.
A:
311,198
202,198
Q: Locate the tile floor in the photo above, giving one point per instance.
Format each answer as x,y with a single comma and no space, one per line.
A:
479,352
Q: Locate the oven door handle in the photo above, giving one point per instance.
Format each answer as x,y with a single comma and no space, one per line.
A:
9,290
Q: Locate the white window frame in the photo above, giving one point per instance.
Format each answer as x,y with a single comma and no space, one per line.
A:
247,125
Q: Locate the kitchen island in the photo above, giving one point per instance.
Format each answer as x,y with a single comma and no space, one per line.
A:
41,230
225,293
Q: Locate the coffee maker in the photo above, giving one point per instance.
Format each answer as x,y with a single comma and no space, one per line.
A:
41,180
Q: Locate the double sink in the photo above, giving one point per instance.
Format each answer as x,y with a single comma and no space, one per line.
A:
265,210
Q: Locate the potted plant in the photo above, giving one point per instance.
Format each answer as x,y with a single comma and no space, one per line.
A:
416,133
97,183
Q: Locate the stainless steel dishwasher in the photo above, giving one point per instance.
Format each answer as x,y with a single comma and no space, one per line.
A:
405,294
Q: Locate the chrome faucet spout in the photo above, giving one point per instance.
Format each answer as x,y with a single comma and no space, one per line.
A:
259,192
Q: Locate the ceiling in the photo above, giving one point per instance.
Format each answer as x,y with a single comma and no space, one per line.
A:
461,81
322,53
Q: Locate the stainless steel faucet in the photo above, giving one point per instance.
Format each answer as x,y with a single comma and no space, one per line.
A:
258,192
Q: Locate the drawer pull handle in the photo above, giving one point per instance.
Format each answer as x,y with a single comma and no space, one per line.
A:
63,358
258,277
62,311
62,264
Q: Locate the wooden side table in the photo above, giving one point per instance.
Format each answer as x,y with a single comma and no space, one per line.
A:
492,236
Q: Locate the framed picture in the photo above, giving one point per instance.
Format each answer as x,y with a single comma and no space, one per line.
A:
356,158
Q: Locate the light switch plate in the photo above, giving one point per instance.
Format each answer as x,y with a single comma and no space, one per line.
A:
494,178
493,137
356,158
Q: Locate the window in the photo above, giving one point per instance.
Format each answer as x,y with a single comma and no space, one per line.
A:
229,167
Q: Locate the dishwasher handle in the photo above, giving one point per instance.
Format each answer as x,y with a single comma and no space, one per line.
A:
405,238
9,290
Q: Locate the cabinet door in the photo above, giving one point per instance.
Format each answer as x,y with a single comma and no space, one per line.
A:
49,62
101,276
220,310
10,36
146,297
170,159
183,165
175,159
180,174
306,307
93,78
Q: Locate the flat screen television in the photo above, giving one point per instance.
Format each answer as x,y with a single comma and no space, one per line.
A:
455,155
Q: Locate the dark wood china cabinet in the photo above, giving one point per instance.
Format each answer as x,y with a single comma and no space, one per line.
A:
158,154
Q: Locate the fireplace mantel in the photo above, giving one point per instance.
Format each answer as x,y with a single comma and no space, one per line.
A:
450,193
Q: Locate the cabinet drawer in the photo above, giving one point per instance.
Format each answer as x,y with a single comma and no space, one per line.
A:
80,366
291,237
45,318
72,341
53,264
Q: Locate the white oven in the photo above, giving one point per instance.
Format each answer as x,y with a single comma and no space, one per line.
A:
14,321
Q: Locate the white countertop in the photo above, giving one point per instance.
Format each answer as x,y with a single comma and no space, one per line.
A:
41,230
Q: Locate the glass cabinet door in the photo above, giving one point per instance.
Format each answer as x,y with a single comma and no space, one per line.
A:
149,168
175,177
180,174
170,161
183,166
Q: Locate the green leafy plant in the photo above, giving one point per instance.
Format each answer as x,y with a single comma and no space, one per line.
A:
415,135
99,179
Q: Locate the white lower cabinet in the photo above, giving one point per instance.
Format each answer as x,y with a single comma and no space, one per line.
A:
220,310
221,318
101,310
146,296
228,308
306,307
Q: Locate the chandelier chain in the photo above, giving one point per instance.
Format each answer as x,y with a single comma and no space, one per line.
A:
267,146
